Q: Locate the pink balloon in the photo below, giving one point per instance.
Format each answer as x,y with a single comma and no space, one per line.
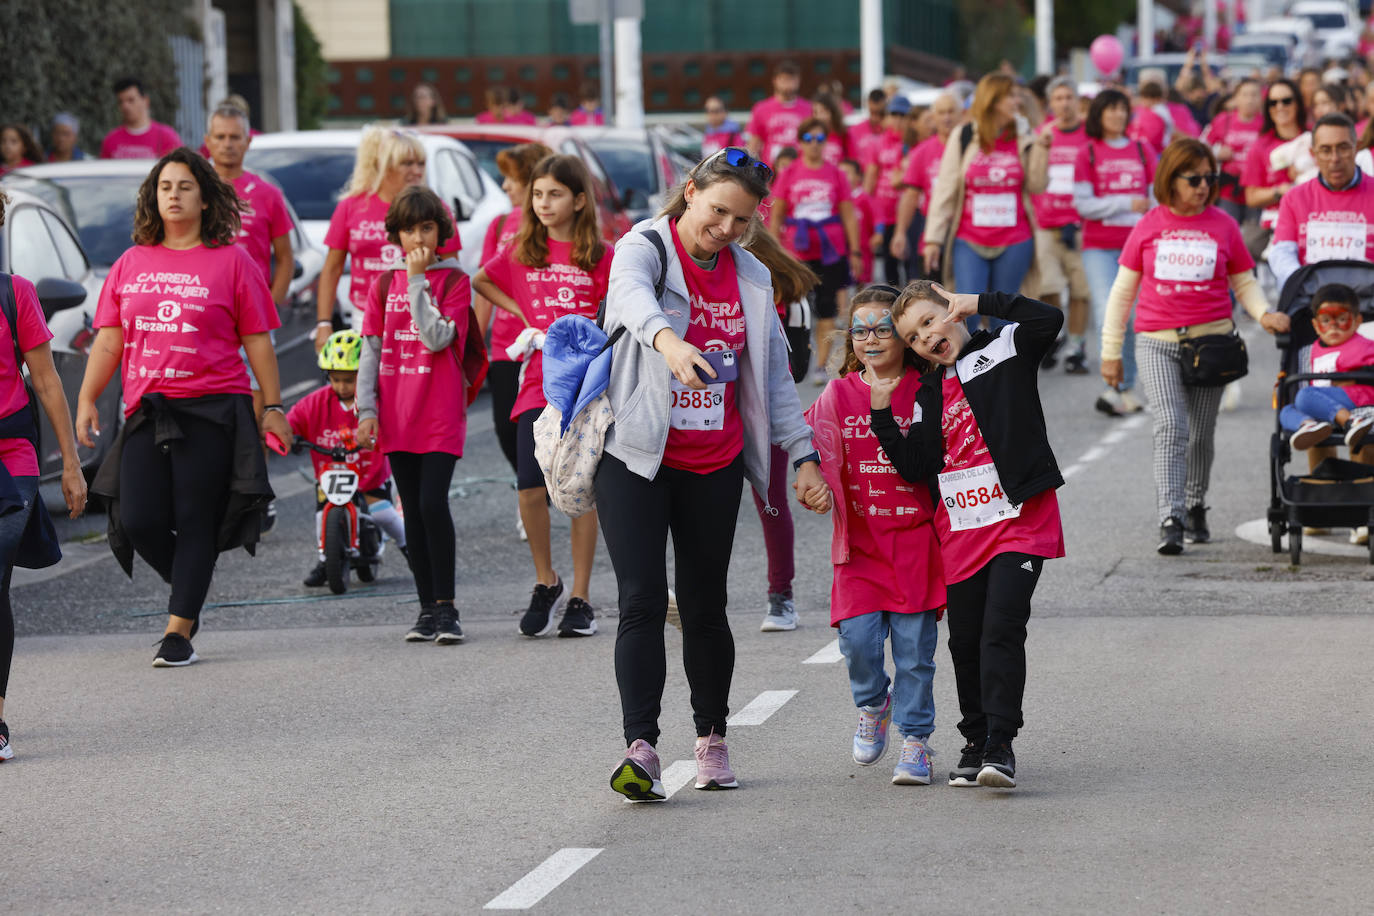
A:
1106,53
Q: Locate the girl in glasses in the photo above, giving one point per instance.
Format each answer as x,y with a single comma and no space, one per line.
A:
813,214
1185,257
889,578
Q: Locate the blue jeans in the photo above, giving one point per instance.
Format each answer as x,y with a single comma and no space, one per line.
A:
1313,403
914,637
1100,266
1004,273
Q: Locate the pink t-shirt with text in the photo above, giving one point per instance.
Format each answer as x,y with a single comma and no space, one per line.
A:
546,294
1186,262
323,419
420,398
895,562
1328,225
863,141
888,156
1037,530
1054,208
774,123
153,142
264,221
993,212
358,226
716,322
923,167
1129,170
184,314
18,454
505,327
1355,353
813,195
863,211
1230,130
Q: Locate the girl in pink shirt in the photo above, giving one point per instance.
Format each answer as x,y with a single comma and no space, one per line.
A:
826,109
174,311
558,265
413,394
1265,181
889,577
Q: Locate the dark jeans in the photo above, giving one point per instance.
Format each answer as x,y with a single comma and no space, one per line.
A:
422,480
987,616
503,378
11,532
172,499
637,515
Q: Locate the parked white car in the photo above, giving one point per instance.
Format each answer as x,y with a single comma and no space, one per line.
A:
1334,23
313,167
1306,50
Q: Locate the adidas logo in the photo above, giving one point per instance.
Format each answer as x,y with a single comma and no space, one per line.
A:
981,363
1028,566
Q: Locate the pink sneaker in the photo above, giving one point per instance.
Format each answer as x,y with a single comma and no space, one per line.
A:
638,777
713,764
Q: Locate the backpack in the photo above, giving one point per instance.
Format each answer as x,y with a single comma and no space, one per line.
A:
569,449
473,360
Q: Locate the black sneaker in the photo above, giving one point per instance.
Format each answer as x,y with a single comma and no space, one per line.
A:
174,651
447,631
1076,363
999,766
1171,538
424,630
6,752
545,603
1195,528
970,762
317,576
578,619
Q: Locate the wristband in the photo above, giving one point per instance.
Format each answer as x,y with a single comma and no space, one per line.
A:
814,456
321,323
277,407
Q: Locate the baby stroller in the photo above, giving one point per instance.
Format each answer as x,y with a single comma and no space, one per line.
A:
1337,493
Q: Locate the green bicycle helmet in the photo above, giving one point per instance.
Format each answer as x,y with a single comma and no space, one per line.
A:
341,352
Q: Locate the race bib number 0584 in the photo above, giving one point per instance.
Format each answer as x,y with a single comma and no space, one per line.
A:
973,497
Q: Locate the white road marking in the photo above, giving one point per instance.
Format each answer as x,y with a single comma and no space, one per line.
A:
1103,445
678,774
1092,454
826,656
1336,544
545,877
762,706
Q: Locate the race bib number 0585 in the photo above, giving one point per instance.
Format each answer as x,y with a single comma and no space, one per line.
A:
697,409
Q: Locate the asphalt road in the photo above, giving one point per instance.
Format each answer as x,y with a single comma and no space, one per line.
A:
1194,740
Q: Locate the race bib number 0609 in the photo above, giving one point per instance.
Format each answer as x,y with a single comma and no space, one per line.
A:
1186,260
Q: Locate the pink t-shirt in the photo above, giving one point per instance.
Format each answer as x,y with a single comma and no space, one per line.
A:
923,167
836,148
1111,170
774,123
1184,122
184,314
18,454
1228,129
1148,126
716,139
581,116
153,142
1355,353
1054,208
323,419
358,226
1257,172
863,141
993,212
505,327
812,195
1186,262
863,210
420,402
1036,530
705,431
545,294
1328,225
888,156
264,221
894,556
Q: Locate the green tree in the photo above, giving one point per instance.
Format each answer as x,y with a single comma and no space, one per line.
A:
69,52
312,90
1078,22
992,31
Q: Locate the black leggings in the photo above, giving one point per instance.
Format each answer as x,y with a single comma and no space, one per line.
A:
503,378
171,502
834,278
636,517
422,481
987,617
11,533
6,632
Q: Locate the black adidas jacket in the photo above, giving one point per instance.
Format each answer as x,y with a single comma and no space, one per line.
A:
1000,374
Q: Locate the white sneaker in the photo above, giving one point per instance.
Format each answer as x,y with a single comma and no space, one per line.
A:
1310,433
1230,398
819,376
781,616
1359,536
1111,403
1355,431
673,616
1130,403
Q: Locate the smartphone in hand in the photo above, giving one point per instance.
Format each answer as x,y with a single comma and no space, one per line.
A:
723,362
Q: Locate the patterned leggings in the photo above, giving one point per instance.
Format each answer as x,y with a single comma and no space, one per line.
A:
1185,422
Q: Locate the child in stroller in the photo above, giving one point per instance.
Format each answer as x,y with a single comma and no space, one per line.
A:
1323,407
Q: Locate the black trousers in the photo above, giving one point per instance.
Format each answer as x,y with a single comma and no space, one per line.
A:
172,500
637,515
987,617
503,378
422,480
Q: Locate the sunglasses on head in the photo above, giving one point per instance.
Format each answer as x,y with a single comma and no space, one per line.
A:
737,158
813,137
1283,100
1195,180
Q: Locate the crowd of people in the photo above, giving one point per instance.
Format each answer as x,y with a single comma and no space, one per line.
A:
1051,214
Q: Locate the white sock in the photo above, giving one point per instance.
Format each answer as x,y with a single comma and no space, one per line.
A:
319,530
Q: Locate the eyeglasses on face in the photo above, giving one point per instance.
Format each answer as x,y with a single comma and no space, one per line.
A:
813,137
1281,100
1195,180
882,331
1340,149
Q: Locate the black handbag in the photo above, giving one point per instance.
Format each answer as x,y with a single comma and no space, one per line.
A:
1213,360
